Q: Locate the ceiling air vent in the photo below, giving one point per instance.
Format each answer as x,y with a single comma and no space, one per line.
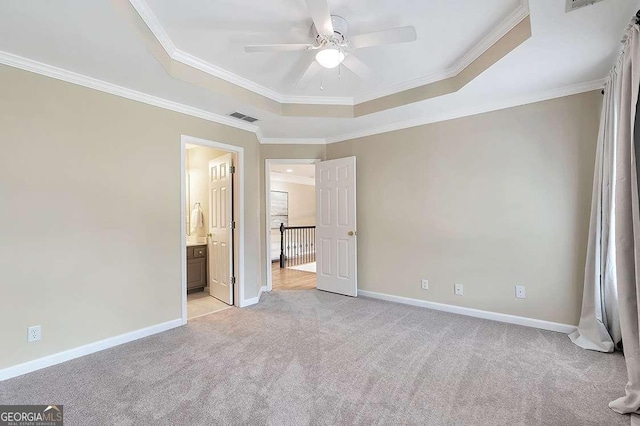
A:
243,117
577,4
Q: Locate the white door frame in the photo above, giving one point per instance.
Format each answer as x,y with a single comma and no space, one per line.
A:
238,291
267,188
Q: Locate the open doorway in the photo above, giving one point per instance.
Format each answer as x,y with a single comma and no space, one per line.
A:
212,223
291,217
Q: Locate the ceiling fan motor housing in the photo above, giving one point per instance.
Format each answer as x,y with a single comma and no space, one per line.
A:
340,31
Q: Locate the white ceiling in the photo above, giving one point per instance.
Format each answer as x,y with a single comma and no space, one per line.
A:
216,31
301,170
568,53
302,174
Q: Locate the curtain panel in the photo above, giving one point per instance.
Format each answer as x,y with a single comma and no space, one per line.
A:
599,327
610,318
627,221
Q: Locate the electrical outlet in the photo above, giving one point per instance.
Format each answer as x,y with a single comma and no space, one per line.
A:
34,334
425,284
457,288
520,293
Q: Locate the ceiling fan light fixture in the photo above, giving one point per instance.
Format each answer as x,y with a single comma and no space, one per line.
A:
330,57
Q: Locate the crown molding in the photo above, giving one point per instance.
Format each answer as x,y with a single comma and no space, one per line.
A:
514,18
30,65
209,68
292,141
151,20
573,89
570,90
154,25
489,40
176,54
318,100
26,64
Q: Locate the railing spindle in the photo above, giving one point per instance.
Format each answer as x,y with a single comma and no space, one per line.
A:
297,245
281,245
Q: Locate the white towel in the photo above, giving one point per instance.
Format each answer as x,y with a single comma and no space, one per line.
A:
197,218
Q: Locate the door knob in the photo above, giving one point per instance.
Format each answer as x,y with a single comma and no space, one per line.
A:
209,235
352,233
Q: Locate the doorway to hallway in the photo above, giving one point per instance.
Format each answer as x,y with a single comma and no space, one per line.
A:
291,216
332,204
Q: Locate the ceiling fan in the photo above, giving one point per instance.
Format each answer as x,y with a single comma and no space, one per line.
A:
333,45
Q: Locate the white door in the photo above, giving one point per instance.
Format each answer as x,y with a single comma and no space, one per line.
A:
220,229
336,248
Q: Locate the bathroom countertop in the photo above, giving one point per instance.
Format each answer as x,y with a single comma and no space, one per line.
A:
192,244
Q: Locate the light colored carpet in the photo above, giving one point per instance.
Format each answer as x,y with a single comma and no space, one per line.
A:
306,267
310,357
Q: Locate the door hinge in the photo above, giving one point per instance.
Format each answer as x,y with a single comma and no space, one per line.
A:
232,225
233,280
232,169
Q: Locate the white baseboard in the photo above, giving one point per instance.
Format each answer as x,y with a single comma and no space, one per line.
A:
253,300
477,313
49,360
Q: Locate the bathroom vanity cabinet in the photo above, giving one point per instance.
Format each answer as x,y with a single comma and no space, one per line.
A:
196,268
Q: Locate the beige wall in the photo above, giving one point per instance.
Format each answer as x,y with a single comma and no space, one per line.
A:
302,202
487,201
90,218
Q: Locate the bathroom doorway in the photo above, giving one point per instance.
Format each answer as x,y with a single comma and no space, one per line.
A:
212,221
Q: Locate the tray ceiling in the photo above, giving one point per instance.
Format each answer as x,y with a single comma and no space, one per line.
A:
97,45
213,33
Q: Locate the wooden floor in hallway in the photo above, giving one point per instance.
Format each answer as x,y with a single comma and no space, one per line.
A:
291,279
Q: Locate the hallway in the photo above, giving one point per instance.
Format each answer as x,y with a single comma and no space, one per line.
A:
291,279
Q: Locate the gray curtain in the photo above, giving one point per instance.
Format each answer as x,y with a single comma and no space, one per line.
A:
610,317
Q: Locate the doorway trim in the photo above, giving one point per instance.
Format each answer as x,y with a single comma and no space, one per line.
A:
267,189
238,291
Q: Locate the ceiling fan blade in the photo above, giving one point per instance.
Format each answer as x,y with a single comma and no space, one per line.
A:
321,16
312,70
395,35
276,47
360,69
